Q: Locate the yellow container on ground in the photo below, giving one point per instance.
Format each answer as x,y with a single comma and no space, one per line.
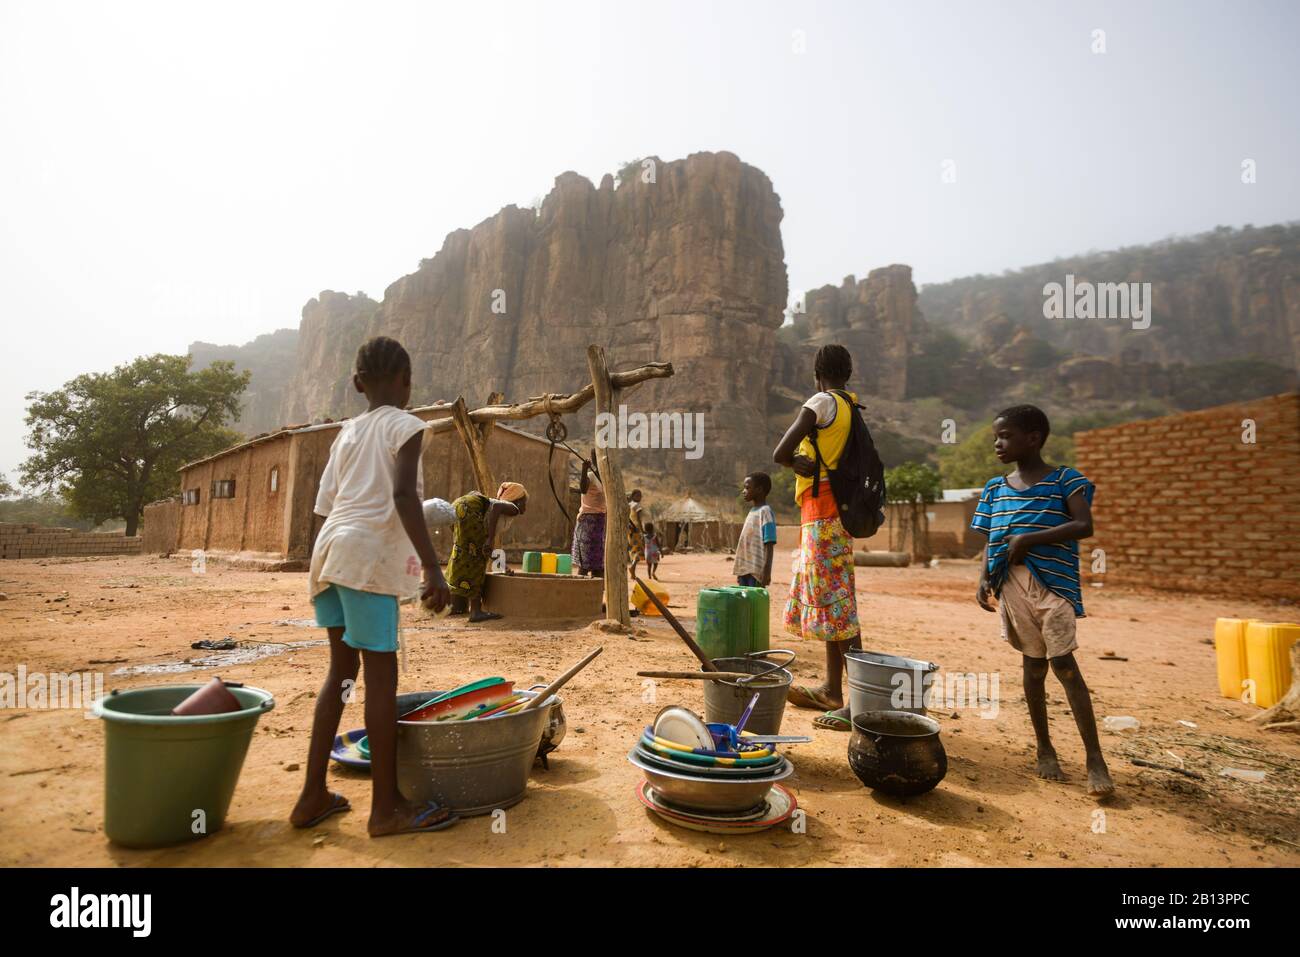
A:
1230,654
548,563
642,603
1268,659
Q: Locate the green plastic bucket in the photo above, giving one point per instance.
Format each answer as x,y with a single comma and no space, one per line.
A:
169,779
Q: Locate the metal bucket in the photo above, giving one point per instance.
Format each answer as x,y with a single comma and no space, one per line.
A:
725,701
879,682
472,767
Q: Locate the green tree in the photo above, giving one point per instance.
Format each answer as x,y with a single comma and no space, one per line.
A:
971,463
912,481
909,487
111,442
6,489
48,509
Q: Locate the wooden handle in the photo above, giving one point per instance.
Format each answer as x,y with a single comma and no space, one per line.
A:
696,650
696,675
559,682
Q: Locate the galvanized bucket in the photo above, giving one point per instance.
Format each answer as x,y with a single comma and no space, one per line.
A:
472,767
725,701
879,682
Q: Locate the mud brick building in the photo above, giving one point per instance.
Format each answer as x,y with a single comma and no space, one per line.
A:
1202,501
255,500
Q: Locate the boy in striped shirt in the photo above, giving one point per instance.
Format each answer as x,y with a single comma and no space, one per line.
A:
1033,519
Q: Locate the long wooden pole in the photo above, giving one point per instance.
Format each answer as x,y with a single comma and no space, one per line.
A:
611,479
682,633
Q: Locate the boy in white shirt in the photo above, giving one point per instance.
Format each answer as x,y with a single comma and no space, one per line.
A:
373,548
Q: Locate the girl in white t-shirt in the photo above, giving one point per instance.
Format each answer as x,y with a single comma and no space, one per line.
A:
373,548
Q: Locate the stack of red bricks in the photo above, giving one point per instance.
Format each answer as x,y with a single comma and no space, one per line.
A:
1205,501
37,541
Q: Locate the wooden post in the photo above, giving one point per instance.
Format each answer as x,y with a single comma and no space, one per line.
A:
473,439
485,428
616,519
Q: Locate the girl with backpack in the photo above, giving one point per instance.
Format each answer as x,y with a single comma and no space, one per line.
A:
823,602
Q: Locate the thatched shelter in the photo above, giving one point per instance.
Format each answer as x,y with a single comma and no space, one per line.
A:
687,524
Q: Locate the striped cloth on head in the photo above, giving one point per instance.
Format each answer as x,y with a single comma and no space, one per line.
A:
1004,511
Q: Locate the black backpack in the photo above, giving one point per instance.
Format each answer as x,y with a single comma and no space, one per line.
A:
858,483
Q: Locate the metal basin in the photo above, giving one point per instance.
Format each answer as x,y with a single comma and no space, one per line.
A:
709,794
473,767
880,682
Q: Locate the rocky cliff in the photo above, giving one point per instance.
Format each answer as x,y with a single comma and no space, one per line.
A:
876,318
681,262
1224,295
269,357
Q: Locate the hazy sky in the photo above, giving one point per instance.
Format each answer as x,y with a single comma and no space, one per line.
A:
176,171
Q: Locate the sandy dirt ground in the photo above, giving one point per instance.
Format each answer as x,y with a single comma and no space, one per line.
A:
76,614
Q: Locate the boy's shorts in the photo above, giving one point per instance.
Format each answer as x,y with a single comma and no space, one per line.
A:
370,620
1036,621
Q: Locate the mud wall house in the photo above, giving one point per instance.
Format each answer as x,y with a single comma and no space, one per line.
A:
1204,501
256,499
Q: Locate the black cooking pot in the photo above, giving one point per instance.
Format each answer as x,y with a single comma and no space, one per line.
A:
897,752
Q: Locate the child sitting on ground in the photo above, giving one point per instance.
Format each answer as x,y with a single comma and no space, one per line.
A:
653,551
363,559
1033,519
757,542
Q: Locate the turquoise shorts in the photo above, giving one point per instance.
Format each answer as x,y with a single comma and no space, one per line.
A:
370,620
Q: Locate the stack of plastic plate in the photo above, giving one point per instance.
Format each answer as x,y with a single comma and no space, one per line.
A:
692,782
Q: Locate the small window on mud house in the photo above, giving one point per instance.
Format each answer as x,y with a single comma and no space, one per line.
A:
275,479
223,488
190,497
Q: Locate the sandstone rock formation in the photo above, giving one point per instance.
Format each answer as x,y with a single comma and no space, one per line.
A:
1227,294
875,318
687,267
270,358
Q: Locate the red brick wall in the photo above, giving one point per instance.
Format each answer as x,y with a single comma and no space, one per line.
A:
37,541
1184,503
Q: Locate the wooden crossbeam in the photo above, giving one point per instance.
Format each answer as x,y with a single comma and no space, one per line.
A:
537,405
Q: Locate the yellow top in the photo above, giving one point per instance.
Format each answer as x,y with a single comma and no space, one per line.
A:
832,439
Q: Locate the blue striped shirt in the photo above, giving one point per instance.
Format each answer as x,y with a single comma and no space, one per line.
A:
1004,511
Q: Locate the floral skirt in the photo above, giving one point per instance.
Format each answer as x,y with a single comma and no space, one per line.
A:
823,603
589,543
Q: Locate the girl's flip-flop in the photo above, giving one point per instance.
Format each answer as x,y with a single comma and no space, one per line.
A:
830,721
432,817
484,616
818,702
338,803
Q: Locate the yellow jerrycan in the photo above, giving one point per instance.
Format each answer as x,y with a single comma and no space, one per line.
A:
1268,659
